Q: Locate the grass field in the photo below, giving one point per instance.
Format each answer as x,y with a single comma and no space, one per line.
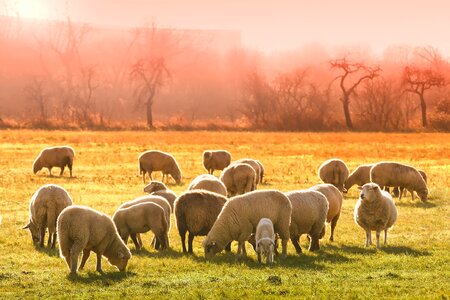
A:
415,264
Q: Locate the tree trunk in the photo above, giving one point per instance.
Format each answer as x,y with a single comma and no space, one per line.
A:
423,106
346,104
149,114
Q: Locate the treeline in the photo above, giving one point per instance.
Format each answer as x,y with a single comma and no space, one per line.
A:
69,75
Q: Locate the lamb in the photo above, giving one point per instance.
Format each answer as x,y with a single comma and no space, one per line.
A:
54,157
155,160
241,215
309,213
256,165
375,210
158,188
161,201
397,174
216,160
45,206
335,199
334,171
360,176
265,240
196,211
140,218
238,179
209,183
81,228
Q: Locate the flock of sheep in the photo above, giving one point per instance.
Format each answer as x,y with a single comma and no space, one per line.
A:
223,209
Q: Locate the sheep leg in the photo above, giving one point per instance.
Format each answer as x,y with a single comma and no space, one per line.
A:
86,254
190,240
294,240
244,250
378,239
412,194
135,241
284,247
314,245
138,236
259,256
50,171
156,244
62,171
54,240
74,253
368,238
400,194
143,176
99,263
49,241
269,258
69,165
228,247
183,241
41,236
333,226
385,236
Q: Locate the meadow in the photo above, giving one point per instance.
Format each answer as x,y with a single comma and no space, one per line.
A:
415,263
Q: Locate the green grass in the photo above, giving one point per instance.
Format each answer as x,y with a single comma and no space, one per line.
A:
415,264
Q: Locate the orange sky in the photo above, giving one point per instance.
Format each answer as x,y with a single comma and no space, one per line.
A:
269,25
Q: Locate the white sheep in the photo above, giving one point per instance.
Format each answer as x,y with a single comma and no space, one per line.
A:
375,210
45,206
158,188
241,215
50,157
309,213
216,160
265,240
83,229
209,183
154,160
335,172
238,179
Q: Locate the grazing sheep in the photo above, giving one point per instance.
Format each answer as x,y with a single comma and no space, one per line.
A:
397,174
360,176
256,165
209,183
375,210
196,211
158,188
397,190
261,171
161,201
309,213
265,240
334,171
155,160
45,206
335,200
241,215
81,228
54,157
216,160
140,218
238,179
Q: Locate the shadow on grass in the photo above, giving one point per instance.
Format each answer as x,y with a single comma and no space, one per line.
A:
416,204
169,253
404,250
106,278
372,250
47,250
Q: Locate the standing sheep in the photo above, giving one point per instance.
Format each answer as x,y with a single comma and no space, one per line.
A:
195,212
375,210
397,190
334,171
155,160
158,188
238,179
240,217
261,171
335,199
45,206
397,174
81,228
216,160
360,176
54,157
265,240
256,165
209,183
309,213
141,218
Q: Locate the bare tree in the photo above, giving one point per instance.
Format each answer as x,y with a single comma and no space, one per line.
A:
85,108
40,98
356,73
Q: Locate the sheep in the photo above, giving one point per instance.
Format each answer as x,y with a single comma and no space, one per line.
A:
216,160
50,157
155,160
238,179
195,212
375,210
81,228
335,199
45,206
334,171
256,165
309,213
158,188
397,174
161,201
265,240
360,176
261,171
140,218
241,215
397,190
209,183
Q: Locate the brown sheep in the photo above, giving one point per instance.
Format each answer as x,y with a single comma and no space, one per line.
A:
238,179
216,160
54,157
335,172
155,160
158,188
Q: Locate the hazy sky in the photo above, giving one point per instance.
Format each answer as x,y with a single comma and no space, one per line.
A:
270,25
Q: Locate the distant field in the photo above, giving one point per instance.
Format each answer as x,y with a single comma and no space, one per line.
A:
415,264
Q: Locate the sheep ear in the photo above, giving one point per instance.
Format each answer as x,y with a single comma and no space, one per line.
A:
360,188
375,188
26,226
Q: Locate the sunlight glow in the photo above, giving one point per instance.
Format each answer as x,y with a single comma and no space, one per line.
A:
36,9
